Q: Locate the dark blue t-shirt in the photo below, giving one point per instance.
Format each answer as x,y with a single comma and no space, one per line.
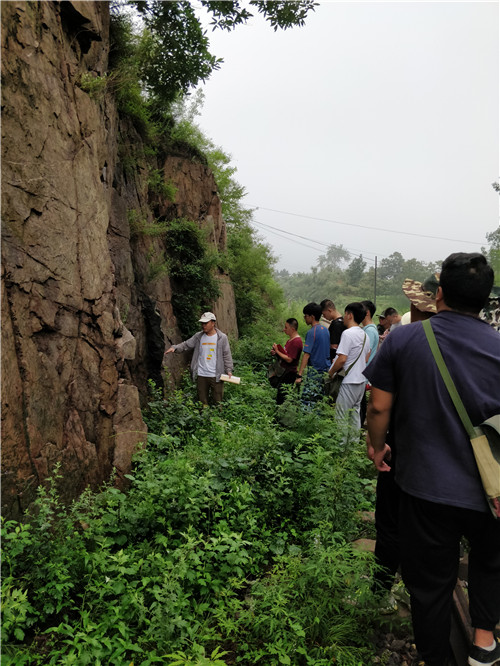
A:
317,344
435,459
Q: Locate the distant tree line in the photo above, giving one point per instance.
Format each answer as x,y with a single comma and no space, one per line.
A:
343,279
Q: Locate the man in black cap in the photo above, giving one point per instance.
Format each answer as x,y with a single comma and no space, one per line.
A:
392,317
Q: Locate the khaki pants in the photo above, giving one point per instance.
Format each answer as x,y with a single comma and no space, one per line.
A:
208,385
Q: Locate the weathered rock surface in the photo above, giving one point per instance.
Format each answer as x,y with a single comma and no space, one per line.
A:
83,327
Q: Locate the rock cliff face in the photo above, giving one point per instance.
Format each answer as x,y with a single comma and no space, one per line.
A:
83,323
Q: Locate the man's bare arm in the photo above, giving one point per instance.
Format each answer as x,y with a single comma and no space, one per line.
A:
303,362
338,364
378,417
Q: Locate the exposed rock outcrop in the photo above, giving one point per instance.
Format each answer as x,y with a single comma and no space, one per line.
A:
83,325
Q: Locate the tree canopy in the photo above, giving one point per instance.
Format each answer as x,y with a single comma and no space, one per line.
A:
174,47
493,252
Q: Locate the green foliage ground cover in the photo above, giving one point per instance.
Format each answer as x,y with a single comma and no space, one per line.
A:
231,546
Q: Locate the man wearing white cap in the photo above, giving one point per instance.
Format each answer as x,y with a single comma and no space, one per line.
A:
211,358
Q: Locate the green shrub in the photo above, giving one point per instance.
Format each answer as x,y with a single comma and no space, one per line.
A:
232,543
94,85
140,226
157,184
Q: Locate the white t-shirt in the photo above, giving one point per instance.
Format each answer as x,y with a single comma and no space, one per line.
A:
207,357
350,345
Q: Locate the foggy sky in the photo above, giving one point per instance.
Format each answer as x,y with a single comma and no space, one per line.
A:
382,115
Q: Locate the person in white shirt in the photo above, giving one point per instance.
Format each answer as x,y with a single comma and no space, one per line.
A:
352,355
211,358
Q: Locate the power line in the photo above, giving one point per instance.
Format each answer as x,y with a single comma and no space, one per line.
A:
289,233
352,253
363,226
291,239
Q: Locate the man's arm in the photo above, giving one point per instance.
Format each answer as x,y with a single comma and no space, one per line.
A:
184,346
303,362
287,359
227,357
378,417
338,364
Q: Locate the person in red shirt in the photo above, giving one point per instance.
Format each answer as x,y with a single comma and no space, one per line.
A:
289,357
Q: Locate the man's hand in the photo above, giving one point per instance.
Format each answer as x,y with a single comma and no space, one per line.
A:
337,365
379,459
370,451
170,350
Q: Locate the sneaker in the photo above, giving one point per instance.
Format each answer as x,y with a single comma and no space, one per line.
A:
481,657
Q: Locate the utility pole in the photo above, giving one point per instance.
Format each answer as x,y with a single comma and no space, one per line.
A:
375,284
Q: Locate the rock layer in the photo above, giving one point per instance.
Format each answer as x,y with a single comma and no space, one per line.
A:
83,326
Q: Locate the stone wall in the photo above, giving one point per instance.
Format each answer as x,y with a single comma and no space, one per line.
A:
83,327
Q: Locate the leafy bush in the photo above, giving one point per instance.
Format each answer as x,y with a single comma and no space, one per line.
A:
140,226
232,545
157,184
94,85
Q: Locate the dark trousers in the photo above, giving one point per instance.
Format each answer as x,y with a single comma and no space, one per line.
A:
430,541
387,553
208,387
286,379
362,410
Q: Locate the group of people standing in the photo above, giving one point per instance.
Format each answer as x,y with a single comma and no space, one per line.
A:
336,343
429,491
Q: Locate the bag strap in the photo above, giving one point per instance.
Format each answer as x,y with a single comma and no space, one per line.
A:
357,359
450,385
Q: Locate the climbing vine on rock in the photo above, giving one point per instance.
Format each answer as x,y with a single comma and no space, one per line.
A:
191,267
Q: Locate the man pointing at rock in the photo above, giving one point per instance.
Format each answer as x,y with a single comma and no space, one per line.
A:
211,358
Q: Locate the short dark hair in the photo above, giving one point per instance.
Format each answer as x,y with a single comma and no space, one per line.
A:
357,310
466,280
389,311
370,307
313,309
327,304
293,322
